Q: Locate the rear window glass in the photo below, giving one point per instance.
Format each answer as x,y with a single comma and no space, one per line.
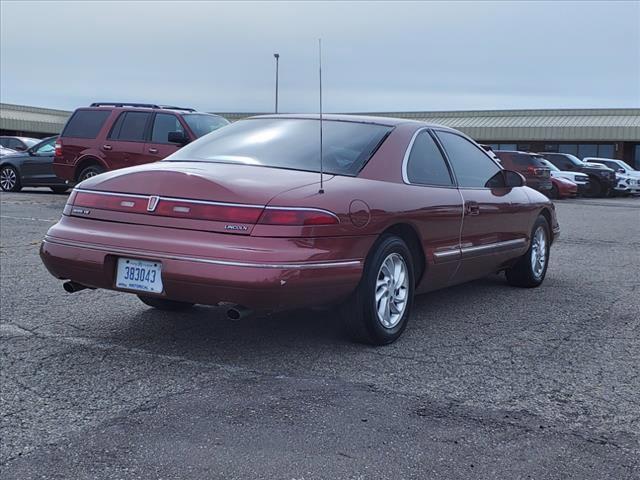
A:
202,123
85,123
291,143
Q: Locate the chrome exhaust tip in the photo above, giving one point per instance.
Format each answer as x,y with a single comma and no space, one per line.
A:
73,287
238,312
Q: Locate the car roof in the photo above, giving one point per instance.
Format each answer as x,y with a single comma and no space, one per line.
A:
519,152
20,138
142,106
599,159
343,117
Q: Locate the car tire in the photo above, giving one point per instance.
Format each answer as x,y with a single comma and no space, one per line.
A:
377,314
165,304
59,189
10,179
530,270
555,194
90,171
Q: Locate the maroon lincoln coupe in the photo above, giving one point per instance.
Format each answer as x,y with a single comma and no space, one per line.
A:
239,218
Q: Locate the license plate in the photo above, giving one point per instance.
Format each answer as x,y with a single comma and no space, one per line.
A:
141,275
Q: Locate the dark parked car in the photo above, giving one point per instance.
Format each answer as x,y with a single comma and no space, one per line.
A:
108,136
240,217
531,166
19,144
31,168
6,151
602,180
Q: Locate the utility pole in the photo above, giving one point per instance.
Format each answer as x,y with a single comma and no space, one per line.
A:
277,57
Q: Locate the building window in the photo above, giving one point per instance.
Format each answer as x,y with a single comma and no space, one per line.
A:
571,148
605,151
587,150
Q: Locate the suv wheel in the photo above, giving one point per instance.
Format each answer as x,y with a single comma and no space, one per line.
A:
531,268
90,171
379,309
9,179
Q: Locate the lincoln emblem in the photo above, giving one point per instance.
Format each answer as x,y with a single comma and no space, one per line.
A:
153,203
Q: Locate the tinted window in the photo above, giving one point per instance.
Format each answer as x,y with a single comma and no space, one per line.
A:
162,125
560,161
16,144
46,146
426,164
85,123
612,165
130,127
524,160
473,168
4,142
202,123
292,143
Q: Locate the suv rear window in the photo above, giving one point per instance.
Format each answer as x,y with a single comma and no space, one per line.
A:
85,123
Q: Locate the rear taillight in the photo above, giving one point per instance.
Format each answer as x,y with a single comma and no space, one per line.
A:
291,216
58,148
204,211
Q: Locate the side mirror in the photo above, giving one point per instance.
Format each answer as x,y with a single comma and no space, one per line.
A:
513,179
178,137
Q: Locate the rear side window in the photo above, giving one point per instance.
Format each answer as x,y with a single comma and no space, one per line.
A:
130,127
426,165
473,168
85,123
162,125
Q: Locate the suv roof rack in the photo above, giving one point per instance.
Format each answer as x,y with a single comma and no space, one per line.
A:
140,105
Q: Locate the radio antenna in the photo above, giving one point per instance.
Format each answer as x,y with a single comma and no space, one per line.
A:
320,75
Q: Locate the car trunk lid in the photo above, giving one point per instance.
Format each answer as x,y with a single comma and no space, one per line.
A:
192,195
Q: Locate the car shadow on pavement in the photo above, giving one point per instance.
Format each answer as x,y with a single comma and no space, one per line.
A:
204,333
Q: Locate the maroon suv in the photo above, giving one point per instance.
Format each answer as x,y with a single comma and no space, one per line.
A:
108,136
531,165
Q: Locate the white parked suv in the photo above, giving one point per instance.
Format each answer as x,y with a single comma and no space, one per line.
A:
627,176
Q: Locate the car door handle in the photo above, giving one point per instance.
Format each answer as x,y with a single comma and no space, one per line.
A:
472,208
106,147
153,150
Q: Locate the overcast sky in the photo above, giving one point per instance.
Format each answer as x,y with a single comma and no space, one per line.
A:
377,56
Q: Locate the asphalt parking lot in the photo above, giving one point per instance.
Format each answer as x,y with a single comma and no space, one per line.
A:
488,381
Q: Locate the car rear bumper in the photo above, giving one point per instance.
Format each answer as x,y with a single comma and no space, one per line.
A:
64,171
261,273
540,184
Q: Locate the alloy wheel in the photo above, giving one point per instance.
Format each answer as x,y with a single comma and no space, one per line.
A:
8,179
539,252
392,290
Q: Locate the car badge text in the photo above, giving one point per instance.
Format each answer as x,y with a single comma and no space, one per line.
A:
243,228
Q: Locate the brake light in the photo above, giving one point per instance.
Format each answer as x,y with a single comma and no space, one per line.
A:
203,211
167,207
291,216
58,148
